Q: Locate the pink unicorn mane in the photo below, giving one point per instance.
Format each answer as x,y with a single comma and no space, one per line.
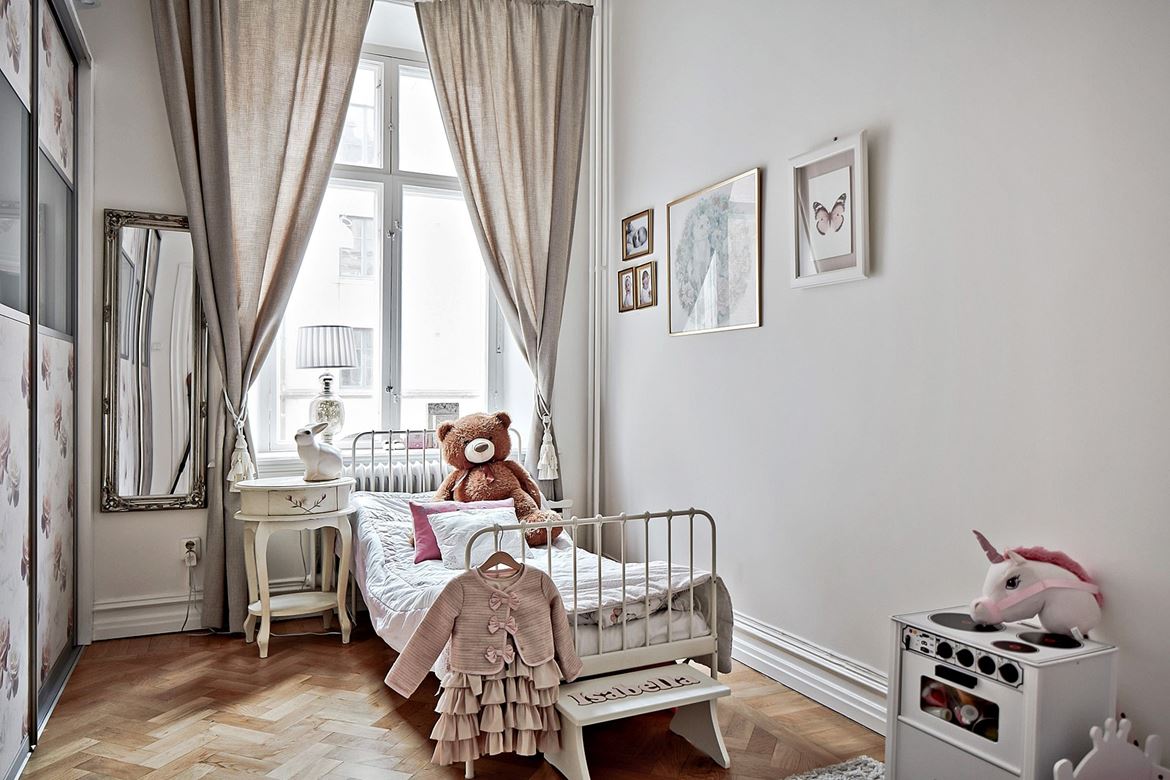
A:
1057,558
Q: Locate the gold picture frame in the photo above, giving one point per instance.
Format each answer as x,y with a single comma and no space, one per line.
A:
651,300
732,208
640,242
626,295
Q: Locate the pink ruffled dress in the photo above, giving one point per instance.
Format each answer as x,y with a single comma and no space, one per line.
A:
494,700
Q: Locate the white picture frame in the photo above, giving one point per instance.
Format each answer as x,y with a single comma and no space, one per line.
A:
830,213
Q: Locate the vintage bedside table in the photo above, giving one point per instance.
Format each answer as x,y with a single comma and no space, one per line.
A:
292,504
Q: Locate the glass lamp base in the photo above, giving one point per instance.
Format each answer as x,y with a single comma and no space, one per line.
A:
327,408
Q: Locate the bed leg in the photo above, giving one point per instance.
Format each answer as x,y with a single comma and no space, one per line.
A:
699,724
469,769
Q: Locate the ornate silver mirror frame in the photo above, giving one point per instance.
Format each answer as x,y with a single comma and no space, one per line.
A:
128,423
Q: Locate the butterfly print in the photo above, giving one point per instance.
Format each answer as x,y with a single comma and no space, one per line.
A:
830,220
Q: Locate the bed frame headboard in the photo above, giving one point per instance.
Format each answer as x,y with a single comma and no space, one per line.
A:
404,461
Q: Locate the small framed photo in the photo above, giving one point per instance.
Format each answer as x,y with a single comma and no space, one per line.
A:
638,235
626,301
830,214
646,280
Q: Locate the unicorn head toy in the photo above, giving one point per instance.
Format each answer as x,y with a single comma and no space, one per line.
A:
1031,581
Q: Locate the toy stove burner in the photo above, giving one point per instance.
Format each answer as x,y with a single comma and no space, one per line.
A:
1057,641
1008,646
961,622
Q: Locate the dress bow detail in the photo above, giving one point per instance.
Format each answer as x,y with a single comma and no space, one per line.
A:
495,624
503,598
507,654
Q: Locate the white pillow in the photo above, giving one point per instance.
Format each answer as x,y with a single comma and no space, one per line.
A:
454,529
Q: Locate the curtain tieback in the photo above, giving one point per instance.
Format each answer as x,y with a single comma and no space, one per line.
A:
242,465
548,467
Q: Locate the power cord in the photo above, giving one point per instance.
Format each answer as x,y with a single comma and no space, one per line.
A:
190,560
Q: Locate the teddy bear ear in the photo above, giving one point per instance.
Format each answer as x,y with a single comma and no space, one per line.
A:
445,427
504,418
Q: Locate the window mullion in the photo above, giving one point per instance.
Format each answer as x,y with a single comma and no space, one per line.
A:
392,308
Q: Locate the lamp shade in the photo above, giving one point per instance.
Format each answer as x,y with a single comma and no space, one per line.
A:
325,346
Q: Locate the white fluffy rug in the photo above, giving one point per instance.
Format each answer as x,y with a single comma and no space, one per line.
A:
863,768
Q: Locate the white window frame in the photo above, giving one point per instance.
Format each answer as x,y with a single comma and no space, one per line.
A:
392,179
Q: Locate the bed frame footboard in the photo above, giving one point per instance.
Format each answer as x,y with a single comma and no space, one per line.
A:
597,660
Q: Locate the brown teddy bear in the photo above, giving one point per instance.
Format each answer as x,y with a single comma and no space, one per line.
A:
477,447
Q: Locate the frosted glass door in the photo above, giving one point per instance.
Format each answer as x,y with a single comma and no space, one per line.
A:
15,492
15,566
58,499
54,372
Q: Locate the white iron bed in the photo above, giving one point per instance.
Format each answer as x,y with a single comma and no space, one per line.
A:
618,622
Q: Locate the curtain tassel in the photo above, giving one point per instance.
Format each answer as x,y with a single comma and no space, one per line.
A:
242,465
547,467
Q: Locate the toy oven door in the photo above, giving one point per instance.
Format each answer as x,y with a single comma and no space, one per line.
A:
981,716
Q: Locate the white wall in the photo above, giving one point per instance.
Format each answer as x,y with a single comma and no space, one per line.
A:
140,583
1005,367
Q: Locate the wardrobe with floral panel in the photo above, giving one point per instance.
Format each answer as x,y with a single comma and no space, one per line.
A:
38,273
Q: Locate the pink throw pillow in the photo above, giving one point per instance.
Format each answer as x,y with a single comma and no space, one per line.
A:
426,548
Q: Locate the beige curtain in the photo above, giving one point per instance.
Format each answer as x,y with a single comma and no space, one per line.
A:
256,93
511,77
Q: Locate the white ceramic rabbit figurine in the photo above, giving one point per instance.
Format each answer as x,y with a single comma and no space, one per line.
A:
322,461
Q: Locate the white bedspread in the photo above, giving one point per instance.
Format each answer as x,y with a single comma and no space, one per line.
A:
398,592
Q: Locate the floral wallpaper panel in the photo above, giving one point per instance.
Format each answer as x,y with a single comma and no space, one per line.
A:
58,498
56,95
14,541
16,46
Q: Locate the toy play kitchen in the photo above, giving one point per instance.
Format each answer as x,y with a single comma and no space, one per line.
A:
998,701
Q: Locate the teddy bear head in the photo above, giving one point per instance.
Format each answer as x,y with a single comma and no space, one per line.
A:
475,439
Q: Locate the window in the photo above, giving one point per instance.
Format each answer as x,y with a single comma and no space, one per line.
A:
424,141
361,140
361,375
394,256
358,254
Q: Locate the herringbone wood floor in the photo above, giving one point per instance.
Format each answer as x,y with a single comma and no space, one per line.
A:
187,706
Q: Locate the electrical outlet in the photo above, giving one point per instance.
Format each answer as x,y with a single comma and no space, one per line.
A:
186,544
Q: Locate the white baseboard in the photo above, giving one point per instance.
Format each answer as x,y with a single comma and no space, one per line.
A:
121,618
851,688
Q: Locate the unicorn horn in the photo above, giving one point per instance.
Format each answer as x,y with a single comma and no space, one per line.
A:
992,555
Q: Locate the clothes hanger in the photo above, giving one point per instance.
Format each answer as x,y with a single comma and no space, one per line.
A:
499,558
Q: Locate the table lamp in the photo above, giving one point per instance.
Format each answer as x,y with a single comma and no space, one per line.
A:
326,346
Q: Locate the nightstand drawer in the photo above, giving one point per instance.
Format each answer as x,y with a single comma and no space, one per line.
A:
293,497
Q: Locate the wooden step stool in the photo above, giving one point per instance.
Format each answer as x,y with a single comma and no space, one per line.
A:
602,699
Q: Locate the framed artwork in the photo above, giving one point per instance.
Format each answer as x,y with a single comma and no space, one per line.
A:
626,290
437,414
830,214
16,46
713,257
646,277
638,235
441,412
